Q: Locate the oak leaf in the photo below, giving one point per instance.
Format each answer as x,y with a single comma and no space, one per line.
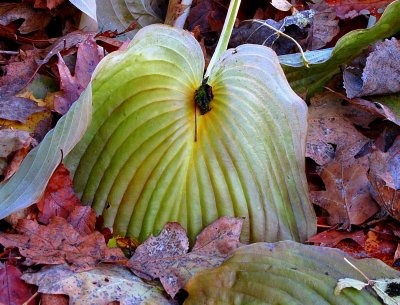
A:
59,243
166,256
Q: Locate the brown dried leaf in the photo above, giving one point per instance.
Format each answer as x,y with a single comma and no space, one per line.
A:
34,20
59,198
53,299
331,238
350,9
347,198
381,74
16,161
98,286
324,28
384,176
83,219
13,290
331,133
166,257
49,4
209,15
89,55
59,243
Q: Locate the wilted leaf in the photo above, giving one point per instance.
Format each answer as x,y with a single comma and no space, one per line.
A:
347,198
88,57
117,15
99,286
283,273
310,80
13,290
381,74
166,256
59,243
331,133
208,15
331,238
83,219
33,19
384,176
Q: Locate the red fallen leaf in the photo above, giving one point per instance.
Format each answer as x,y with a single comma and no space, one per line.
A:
347,198
208,15
83,219
351,9
54,299
16,161
89,55
34,20
59,243
13,290
380,248
59,198
166,256
331,238
384,176
50,4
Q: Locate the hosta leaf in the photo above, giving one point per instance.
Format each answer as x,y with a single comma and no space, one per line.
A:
312,79
285,273
119,14
139,164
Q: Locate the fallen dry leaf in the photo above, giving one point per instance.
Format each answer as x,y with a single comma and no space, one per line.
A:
16,161
209,15
53,299
331,238
83,219
98,286
381,74
331,133
350,9
13,290
89,55
324,27
346,198
59,198
384,175
50,4
14,108
59,243
166,256
34,20
282,5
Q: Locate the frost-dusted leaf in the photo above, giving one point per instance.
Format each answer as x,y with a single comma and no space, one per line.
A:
349,283
284,273
98,286
140,166
119,14
381,74
13,290
166,256
59,243
310,80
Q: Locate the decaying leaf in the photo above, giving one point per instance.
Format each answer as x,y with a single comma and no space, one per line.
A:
13,290
324,27
331,238
89,55
347,283
166,256
381,74
99,286
331,132
346,198
49,4
351,9
59,243
384,175
59,198
83,219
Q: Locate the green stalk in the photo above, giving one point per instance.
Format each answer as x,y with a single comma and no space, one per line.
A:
225,34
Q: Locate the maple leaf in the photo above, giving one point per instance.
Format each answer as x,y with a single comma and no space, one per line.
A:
166,256
101,286
331,133
83,219
89,55
13,290
347,198
59,243
384,176
59,198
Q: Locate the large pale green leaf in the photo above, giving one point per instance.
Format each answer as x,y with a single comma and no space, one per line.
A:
285,273
312,79
139,164
119,14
